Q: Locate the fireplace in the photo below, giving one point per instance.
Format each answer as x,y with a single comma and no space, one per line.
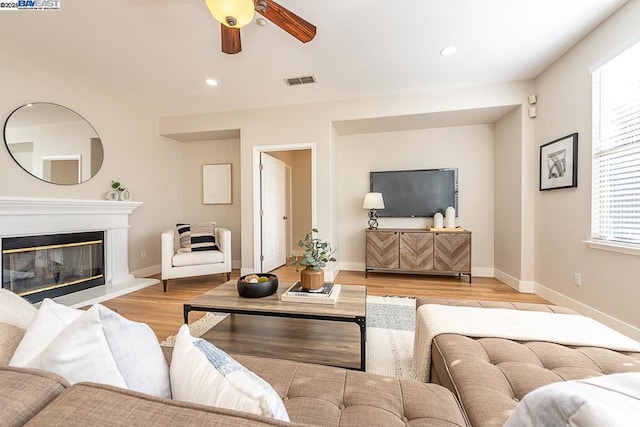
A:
48,266
30,216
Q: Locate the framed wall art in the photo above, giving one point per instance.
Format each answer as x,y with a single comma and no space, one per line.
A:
216,184
559,163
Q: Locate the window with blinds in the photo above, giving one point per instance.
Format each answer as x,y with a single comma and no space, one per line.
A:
616,150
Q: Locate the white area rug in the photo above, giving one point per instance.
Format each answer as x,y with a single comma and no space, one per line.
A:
390,331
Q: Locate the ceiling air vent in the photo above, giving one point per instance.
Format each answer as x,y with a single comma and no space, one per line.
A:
295,81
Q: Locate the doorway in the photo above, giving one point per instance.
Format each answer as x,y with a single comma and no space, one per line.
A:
284,201
62,169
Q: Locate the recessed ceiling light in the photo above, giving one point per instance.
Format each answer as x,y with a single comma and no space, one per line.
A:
211,82
449,50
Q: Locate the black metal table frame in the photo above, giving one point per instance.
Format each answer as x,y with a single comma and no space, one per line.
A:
361,321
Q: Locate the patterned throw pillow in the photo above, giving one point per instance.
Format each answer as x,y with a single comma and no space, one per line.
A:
197,237
202,373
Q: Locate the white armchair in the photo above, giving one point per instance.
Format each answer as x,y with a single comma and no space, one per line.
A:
177,264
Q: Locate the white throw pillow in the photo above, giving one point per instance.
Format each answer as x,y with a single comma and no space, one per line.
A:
608,400
102,346
15,310
48,322
202,373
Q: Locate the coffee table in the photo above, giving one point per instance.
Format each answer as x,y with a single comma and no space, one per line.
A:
308,332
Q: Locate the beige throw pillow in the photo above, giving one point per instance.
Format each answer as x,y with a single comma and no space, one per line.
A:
15,310
10,337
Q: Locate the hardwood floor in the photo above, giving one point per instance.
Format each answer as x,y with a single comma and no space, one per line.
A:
163,311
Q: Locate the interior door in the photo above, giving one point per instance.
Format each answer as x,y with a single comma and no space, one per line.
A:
273,212
64,171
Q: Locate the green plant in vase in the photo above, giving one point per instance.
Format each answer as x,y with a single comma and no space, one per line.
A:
123,193
317,253
116,186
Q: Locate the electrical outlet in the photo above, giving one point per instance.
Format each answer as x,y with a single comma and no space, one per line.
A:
143,254
576,279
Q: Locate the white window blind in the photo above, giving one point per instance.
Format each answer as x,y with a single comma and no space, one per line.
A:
616,149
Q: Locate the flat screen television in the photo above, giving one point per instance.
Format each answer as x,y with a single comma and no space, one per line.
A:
416,193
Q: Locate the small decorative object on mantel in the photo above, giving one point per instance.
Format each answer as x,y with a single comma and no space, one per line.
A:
317,254
257,285
118,192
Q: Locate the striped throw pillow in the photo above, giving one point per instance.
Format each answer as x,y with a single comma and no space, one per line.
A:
197,237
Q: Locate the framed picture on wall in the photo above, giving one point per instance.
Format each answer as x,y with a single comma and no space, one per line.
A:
216,184
559,163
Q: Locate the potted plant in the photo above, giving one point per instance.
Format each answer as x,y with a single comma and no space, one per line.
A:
317,253
123,193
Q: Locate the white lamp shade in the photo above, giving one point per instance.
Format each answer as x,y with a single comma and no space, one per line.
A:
373,201
241,10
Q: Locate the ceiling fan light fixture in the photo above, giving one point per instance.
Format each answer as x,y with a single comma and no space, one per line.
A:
261,6
232,13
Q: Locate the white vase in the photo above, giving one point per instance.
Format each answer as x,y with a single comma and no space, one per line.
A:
111,195
450,218
125,195
438,220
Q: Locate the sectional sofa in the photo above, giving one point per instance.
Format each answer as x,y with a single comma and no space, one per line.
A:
313,395
490,375
471,381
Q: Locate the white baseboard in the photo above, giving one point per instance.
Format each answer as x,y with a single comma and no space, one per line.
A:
352,266
565,301
507,279
518,285
148,271
527,287
482,271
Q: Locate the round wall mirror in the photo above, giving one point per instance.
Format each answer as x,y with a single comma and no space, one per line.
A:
53,143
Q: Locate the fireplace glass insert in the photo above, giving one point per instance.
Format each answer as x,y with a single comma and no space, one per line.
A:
38,267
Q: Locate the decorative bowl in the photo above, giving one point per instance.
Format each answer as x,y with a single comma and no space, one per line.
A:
247,289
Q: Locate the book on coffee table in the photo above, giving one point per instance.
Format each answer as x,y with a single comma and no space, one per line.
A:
328,294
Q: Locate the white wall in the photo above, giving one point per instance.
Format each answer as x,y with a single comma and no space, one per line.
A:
508,196
147,164
312,124
609,280
196,154
468,148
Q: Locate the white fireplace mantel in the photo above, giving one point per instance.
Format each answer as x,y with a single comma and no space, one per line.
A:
27,216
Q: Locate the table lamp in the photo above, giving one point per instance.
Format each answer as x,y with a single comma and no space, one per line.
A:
373,201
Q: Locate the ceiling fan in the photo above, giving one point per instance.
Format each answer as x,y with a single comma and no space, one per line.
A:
235,14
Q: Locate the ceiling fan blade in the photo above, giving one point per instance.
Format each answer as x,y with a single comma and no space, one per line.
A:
230,40
288,21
